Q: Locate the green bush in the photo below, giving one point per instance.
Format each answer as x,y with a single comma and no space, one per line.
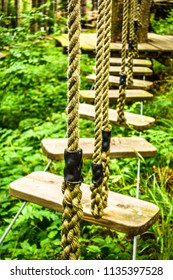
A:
163,26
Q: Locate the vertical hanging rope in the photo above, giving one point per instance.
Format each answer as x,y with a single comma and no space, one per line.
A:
73,155
139,13
122,87
131,43
136,25
97,168
106,128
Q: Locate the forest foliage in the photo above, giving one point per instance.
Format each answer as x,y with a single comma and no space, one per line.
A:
33,99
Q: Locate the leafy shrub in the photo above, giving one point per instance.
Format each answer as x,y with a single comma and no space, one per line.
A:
163,26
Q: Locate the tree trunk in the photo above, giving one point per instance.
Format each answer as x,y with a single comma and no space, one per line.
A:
94,5
83,7
5,7
34,25
52,16
18,6
117,14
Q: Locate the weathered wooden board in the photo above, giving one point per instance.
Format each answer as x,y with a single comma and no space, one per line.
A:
114,81
136,62
132,95
138,122
137,70
88,42
162,42
120,147
126,214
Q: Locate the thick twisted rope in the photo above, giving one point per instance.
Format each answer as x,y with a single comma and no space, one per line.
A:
122,87
105,123
96,185
136,25
139,12
72,194
131,43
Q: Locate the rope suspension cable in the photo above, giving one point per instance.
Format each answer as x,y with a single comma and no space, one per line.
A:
137,24
138,185
122,85
19,212
106,127
73,154
131,43
97,206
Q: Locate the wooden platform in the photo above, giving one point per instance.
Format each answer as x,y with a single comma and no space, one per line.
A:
135,121
136,62
158,46
114,82
120,147
132,95
124,213
137,70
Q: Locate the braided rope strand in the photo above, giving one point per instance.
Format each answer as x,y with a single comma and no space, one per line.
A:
122,88
136,25
139,12
72,194
131,44
105,124
96,189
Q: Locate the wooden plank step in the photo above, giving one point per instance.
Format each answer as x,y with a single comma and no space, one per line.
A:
132,95
162,42
136,62
114,81
124,213
135,121
88,43
137,70
120,147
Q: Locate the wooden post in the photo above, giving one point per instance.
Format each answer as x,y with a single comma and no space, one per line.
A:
145,19
117,12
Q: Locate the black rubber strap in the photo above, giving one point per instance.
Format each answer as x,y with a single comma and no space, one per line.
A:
73,166
131,45
106,138
97,173
135,26
123,80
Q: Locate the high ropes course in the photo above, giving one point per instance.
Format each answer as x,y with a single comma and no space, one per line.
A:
68,194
